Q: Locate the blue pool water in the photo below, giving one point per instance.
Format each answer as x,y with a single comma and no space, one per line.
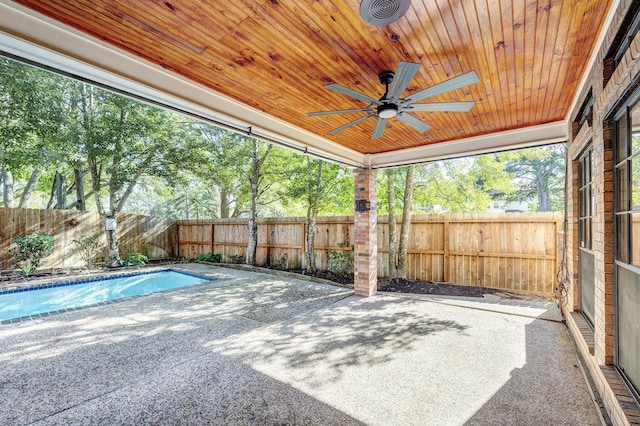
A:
50,299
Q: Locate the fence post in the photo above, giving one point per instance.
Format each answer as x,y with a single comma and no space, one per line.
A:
178,240
446,252
212,237
304,247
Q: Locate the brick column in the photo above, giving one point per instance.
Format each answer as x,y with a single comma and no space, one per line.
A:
604,262
366,234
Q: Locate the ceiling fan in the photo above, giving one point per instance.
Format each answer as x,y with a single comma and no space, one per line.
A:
392,105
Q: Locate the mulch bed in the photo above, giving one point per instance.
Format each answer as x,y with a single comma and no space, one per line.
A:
400,285
384,284
16,276
428,287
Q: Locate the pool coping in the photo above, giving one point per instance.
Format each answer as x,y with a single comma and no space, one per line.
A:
53,282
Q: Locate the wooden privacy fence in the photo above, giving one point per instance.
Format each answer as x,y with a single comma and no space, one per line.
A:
511,251
514,251
151,236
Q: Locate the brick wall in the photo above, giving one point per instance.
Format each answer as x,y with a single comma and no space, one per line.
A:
597,345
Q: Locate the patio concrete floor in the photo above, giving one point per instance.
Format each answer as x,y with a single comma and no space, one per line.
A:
253,349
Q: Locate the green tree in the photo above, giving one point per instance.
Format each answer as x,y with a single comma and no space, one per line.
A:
398,244
391,203
31,107
461,185
319,186
259,154
124,140
222,165
538,175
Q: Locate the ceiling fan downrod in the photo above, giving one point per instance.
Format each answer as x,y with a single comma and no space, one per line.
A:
386,109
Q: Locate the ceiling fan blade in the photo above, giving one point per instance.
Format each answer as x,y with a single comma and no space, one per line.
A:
339,111
349,92
419,125
351,123
379,129
451,84
442,106
405,73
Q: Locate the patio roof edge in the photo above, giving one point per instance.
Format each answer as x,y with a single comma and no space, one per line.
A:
544,134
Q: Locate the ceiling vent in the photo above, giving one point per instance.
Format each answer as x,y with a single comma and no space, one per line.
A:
383,12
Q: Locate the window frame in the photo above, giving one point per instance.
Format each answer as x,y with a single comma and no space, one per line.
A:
624,159
586,201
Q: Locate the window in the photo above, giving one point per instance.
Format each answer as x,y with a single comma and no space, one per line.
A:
585,113
627,180
585,198
625,35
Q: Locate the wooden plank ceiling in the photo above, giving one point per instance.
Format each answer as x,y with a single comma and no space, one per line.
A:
276,56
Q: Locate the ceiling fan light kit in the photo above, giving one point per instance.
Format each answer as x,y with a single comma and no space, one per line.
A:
391,105
387,110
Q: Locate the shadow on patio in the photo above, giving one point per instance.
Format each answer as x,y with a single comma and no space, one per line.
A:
256,349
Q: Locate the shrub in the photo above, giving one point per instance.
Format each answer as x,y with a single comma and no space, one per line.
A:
283,262
204,257
88,247
135,259
209,257
31,249
340,261
235,258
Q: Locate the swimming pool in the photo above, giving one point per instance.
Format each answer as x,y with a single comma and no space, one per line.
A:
55,298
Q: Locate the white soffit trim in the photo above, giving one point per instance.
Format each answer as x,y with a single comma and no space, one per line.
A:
29,35
527,137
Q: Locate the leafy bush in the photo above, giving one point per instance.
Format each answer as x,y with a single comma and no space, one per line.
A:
235,258
204,257
88,247
31,249
209,257
283,262
340,261
135,259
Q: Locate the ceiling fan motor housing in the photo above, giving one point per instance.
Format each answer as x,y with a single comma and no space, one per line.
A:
386,77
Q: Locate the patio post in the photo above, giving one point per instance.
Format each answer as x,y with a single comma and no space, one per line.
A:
365,233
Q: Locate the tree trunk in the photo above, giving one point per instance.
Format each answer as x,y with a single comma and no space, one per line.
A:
29,188
406,222
58,193
311,222
224,202
7,193
252,224
543,196
392,225
186,206
61,192
81,203
112,241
